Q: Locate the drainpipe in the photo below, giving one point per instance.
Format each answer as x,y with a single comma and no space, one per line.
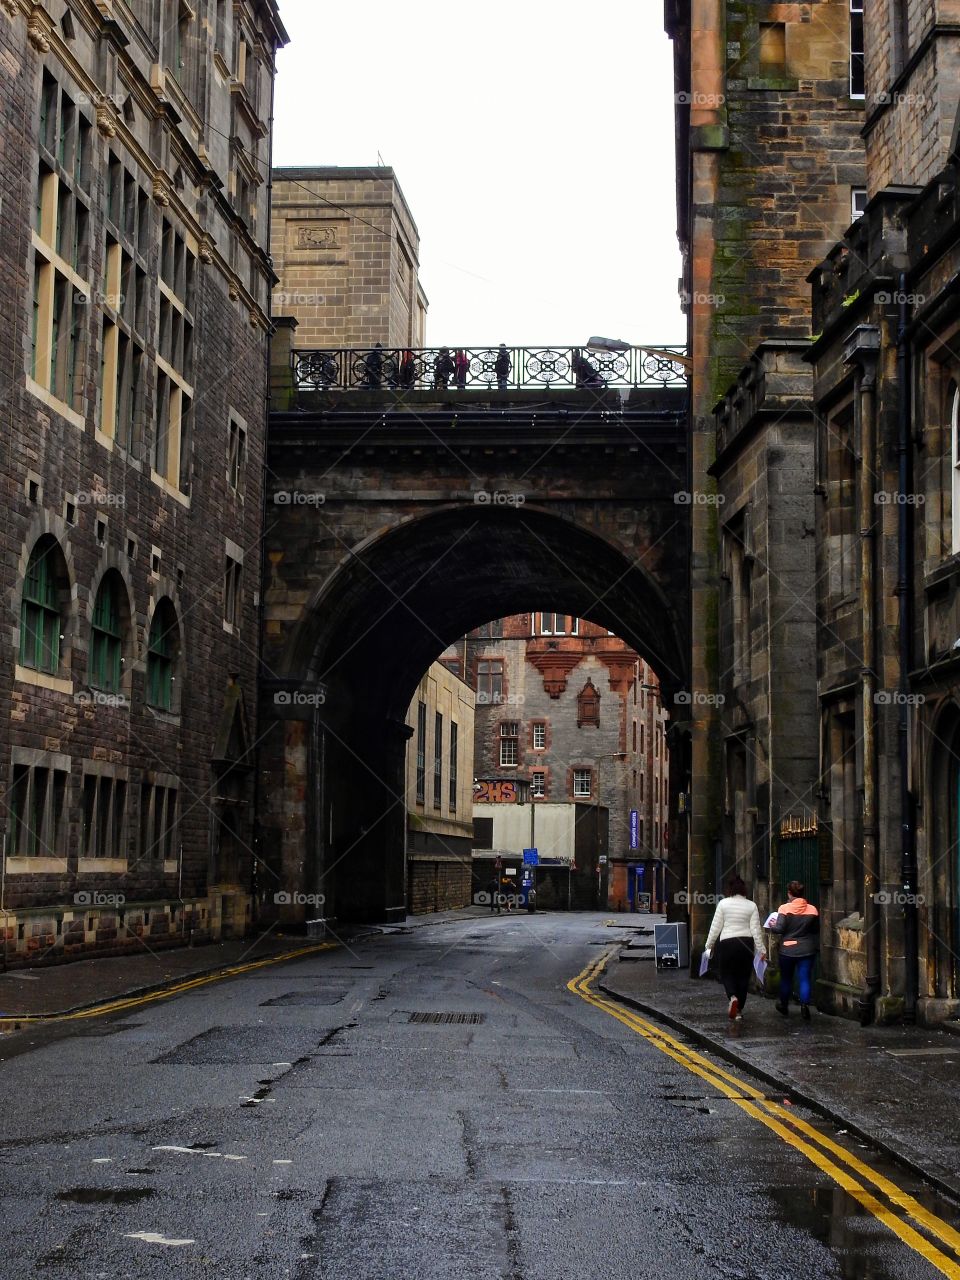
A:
862,350
908,851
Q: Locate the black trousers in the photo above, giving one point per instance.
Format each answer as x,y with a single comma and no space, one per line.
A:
734,958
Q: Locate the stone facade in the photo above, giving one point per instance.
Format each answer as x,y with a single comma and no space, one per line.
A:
438,794
345,248
770,163
135,285
573,714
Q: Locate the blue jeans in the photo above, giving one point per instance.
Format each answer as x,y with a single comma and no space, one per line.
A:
802,966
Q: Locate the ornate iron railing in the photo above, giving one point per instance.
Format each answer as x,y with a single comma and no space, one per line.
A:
488,368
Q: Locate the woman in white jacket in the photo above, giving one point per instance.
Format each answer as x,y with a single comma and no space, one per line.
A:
734,939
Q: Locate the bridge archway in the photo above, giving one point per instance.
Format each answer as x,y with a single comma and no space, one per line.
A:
364,636
397,521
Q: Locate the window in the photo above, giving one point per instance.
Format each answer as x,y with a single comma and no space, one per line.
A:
104,816
540,736
641,739
421,752
509,742
454,765
582,783
634,735
857,81
106,642
858,202
158,821
489,680
171,451
437,760
656,740
773,49
236,454
955,469
163,649
232,596
41,619
640,785
538,784
61,250
38,811
558,624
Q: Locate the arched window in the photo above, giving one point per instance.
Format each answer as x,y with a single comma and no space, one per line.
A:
42,607
954,401
163,649
106,645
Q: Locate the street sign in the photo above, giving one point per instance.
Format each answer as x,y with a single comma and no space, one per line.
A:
531,858
634,829
603,858
511,871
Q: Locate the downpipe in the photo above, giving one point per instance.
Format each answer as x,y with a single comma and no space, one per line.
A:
908,848
866,1003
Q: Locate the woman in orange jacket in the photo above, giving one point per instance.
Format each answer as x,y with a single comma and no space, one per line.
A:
798,924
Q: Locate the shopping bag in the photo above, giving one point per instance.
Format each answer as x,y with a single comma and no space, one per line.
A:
704,963
759,967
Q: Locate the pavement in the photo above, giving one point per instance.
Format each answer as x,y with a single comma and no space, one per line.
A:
895,1087
47,991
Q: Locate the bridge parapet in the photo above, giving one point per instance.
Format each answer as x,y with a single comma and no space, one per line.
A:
491,368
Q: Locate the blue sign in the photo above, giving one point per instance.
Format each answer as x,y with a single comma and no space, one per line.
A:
634,829
531,858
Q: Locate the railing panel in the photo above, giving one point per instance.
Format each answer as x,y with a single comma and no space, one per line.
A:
488,368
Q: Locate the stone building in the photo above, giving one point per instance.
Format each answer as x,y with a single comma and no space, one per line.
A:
135,285
886,364
346,250
770,105
439,792
573,714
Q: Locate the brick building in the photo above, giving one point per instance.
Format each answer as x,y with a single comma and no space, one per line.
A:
439,792
136,285
346,250
770,172
574,714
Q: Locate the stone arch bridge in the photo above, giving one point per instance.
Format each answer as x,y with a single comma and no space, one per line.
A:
398,520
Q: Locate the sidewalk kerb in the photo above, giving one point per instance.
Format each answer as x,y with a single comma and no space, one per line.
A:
820,1108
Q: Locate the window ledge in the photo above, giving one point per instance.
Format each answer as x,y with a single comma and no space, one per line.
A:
41,680
36,866
58,406
169,489
105,866
165,717
780,83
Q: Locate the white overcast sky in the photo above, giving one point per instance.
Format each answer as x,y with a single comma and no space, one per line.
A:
532,140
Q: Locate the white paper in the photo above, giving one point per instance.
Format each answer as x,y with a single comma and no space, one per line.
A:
759,967
771,920
704,963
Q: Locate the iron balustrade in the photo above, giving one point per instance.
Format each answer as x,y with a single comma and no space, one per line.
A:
487,368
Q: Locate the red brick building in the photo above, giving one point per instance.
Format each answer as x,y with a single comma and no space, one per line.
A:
570,710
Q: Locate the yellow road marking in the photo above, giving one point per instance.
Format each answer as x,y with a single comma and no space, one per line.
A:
189,984
792,1129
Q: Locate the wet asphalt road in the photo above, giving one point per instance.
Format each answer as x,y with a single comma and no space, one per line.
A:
297,1122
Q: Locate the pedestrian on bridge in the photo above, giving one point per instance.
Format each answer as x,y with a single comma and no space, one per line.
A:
373,365
735,932
443,367
461,364
408,369
502,366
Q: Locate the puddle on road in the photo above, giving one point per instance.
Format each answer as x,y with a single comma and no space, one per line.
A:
105,1195
864,1248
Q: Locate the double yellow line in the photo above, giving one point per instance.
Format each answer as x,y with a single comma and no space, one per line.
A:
900,1209
10,1021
